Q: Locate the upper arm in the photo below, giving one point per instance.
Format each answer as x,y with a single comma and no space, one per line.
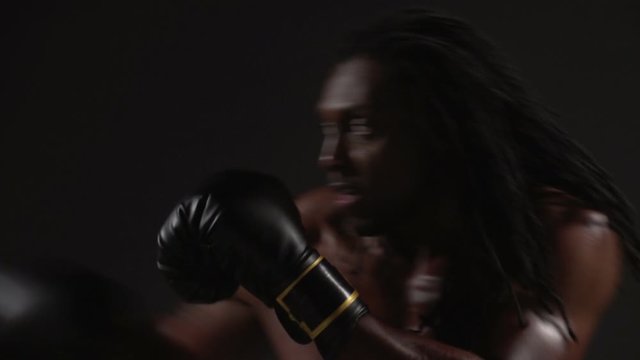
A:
585,270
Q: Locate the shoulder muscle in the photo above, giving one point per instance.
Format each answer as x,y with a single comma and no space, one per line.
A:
585,260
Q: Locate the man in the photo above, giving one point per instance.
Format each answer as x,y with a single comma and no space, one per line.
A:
469,224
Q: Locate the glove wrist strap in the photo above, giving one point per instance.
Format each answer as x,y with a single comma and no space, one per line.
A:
338,296
319,304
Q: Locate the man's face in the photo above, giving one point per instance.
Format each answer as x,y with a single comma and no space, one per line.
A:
371,159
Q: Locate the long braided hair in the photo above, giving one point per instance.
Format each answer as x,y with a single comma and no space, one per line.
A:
502,145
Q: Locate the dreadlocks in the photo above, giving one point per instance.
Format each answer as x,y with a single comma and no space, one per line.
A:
504,146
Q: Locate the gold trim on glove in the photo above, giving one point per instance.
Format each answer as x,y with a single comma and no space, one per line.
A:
313,333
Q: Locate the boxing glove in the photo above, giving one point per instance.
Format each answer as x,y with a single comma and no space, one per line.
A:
244,229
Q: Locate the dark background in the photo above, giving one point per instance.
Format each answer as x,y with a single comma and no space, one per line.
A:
112,111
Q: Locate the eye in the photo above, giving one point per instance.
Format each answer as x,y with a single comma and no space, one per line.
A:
360,127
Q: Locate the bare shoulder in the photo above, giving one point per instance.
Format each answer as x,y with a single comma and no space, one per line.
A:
558,209
585,266
586,262
586,256
582,242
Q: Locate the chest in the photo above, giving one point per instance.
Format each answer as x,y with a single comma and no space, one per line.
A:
400,291
397,291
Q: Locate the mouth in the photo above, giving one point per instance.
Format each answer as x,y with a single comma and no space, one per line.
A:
346,193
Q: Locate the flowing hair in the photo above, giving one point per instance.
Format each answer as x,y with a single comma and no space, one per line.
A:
504,147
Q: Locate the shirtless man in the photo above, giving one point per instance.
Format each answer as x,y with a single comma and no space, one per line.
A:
467,222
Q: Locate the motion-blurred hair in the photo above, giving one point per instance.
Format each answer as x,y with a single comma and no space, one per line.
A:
505,148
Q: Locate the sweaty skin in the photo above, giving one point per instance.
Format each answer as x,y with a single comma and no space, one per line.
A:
382,196
582,241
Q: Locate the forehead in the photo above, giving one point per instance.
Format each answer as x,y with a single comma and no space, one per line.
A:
350,85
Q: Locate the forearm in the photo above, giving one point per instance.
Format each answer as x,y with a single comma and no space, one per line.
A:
214,331
373,340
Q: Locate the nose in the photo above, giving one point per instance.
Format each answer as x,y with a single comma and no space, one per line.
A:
332,152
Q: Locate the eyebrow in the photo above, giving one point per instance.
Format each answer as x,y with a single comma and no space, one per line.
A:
347,113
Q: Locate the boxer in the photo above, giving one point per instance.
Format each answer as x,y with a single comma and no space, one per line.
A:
458,221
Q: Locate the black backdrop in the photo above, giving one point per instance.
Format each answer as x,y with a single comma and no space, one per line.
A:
112,111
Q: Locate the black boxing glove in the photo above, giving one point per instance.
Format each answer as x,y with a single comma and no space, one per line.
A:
245,229
186,249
